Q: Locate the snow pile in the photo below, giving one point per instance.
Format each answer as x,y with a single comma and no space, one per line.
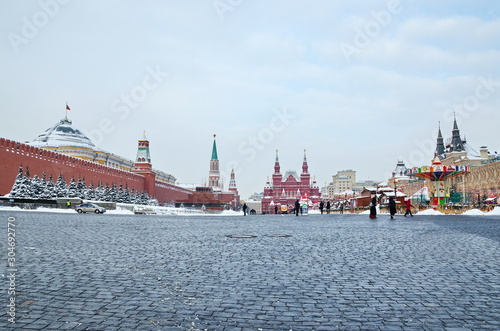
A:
429,211
367,212
494,212
473,212
120,212
231,213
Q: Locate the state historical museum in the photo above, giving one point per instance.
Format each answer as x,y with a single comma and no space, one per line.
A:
281,194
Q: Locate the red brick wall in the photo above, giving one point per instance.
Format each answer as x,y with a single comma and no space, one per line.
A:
13,154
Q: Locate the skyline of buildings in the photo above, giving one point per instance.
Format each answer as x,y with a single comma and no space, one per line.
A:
65,139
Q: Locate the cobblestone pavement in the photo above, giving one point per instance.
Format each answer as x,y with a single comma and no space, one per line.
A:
316,272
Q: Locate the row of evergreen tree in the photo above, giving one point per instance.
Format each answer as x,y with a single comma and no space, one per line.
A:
43,188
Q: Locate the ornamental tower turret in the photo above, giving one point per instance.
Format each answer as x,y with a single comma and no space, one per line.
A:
143,158
457,145
142,165
305,167
214,173
232,182
440,145
277,177
305,177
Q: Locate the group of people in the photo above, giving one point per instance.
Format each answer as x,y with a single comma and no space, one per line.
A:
392,207
322,206
373,208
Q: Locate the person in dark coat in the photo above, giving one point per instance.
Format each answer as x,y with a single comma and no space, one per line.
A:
245,208
392,207
373,208
341,207
276,209
321,206
328,207
297,207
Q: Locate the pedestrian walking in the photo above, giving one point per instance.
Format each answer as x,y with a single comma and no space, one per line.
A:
341,207
328,207
392,207
373,208
321,206
245,208
408,207
297,207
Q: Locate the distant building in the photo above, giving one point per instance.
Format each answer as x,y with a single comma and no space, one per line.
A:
482,182
282,192
256,196
478,185
213,195
343,183
402,182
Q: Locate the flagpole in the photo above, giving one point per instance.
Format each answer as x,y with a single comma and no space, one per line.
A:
66,110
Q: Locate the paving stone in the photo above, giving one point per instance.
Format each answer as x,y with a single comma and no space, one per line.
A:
179,273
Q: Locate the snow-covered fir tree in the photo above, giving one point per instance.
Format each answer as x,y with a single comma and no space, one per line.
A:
106,194
25,189
42,188
60,187
90,192
144,198
120,194
72,189
49,191
37,186
126,195
81,187
100,192
137,197
43,183
17,183
112,194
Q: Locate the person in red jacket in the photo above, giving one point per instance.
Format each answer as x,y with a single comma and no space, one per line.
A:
408,207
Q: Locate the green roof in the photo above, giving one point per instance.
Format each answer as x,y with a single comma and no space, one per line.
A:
214,152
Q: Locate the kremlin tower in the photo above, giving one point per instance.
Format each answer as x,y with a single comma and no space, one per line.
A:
213,196
214,173
143,166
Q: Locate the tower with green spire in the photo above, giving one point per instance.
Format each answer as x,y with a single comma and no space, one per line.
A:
214,174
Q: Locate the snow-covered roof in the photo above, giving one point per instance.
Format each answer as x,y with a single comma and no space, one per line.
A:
63,134
291,173
391,194
471,152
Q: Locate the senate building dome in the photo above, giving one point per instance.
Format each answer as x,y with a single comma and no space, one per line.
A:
64,138
63,134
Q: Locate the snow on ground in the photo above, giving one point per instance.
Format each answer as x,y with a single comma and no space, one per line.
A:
120,212
367,212
125,209
40,209
495,211
429,211
473,212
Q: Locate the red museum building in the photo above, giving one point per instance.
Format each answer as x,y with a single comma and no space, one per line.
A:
281,193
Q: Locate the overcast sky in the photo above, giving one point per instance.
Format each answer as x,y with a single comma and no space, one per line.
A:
359,84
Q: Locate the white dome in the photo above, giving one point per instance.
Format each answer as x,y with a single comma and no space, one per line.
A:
62,134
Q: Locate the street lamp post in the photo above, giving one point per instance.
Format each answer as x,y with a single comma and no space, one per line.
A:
395,188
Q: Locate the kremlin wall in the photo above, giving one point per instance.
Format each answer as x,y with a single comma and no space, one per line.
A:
73,159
